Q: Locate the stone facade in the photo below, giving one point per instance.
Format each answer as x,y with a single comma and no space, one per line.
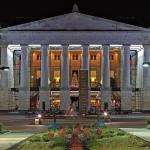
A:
73,29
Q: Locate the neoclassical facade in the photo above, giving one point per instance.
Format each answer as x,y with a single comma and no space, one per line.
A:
45,58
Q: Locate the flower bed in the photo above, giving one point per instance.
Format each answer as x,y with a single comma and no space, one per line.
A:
89,138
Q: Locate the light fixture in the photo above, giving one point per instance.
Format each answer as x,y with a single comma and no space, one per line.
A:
105,114
4,68
57,79
39,116
93,79
146,64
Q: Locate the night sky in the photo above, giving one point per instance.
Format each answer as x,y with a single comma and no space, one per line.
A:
16,12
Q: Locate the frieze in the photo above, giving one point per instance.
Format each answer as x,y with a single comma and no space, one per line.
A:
107,37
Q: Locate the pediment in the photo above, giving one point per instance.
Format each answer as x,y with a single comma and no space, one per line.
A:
75,21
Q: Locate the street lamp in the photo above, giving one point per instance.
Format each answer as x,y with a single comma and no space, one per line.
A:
146,64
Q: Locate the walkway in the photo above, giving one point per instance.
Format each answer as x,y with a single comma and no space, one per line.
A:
139,132
10,138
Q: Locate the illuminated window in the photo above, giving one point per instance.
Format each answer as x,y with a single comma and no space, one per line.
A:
38,57
74,57
93,76
93,57
111,57
56,57
57,76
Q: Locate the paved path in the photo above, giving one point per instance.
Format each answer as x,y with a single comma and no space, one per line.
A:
139,132
9,139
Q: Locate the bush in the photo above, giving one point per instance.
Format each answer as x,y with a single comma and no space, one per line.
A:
45,137
59,142
35,138
68,130
1,127
148,126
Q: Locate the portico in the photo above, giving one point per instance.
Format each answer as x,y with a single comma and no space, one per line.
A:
65,44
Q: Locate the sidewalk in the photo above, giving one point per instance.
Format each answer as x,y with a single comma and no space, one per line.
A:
132,116
10,138
142,133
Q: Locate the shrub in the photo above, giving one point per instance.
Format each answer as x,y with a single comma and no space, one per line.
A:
68,130
148,126
59,142
120,133
35,138
49,136
1,127
45,137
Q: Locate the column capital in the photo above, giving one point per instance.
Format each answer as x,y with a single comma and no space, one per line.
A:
85,45
105,46
126,46
44,46
24,47
65,45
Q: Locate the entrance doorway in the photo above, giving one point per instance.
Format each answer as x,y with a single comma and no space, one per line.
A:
34,101
75,101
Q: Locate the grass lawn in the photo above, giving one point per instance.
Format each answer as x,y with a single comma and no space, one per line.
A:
109,139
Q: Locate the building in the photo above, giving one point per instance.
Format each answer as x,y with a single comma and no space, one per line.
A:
45,57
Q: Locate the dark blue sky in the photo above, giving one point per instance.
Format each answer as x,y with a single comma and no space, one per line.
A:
14,12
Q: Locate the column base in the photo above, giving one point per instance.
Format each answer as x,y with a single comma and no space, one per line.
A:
126,100
106,98
24,100
4,99
145,102
44,96
64,100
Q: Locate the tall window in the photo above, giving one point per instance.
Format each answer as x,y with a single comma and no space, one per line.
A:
35,67
74,57
93,57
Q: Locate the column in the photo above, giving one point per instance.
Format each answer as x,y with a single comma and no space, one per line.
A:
24,67
65,92
85,66
4,77
126,95
145,104
4,62
44,89
126,66
106,91
24,92
146,73
106,67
